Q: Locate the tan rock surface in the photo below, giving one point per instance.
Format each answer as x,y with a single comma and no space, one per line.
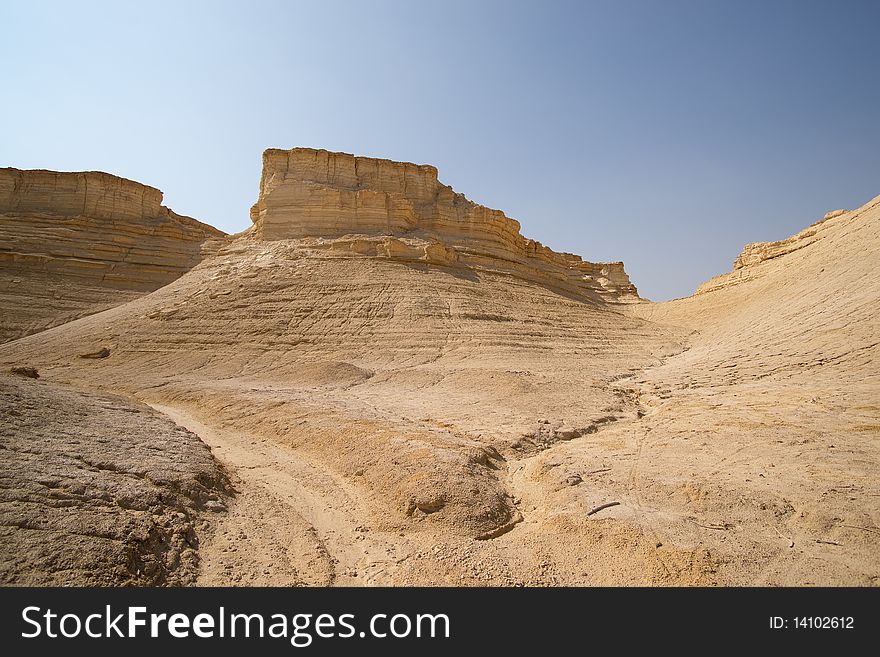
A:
748,264
776,398
75,243
98,490
315,193
399,407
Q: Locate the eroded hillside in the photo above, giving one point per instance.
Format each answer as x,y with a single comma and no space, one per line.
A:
408,392
72,244
97,490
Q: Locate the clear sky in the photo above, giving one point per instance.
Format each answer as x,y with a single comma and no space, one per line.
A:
664,134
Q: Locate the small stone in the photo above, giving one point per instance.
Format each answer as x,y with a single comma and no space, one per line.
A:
103,352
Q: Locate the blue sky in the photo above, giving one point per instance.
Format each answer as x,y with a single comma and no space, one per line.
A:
664,134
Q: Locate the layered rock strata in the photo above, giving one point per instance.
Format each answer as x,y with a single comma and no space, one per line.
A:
308,193
75,243
753,260
379,410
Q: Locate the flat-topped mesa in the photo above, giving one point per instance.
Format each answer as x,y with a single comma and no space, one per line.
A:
98,225
92,194
309,193
75,243
87,193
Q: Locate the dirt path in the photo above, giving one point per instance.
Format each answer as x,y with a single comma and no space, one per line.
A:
292,522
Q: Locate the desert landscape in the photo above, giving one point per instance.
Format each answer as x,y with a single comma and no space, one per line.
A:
381,382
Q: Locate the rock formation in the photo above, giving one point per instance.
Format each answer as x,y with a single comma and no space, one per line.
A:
404,395
308,193
97,490
748,264
75,243
369,320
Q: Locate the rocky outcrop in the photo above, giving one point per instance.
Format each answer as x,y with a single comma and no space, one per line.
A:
751,262
308,193
75,243
98,490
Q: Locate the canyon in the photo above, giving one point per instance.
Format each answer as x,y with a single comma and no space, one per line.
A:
398,388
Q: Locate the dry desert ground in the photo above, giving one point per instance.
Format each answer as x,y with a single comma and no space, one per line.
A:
383,383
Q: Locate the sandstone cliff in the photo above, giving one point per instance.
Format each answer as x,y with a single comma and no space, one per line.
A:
409,214
75,243
751,262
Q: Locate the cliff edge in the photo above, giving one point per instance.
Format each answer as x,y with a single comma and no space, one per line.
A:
755,259
409,214
75,243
